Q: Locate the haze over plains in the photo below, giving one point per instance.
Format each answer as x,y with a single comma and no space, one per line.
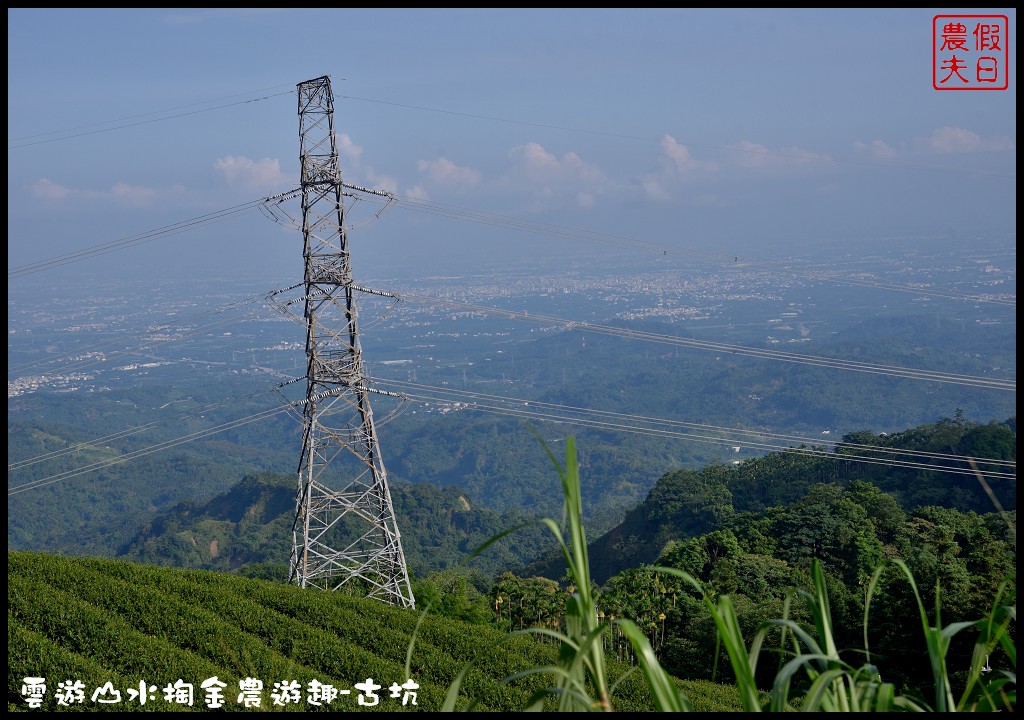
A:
733,132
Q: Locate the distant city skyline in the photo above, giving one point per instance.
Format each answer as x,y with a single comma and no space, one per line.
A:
230,326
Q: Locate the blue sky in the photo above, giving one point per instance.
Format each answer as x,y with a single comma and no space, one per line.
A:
732,131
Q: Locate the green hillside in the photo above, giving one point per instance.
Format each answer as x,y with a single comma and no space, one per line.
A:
96,621
689,503
91,453
251,524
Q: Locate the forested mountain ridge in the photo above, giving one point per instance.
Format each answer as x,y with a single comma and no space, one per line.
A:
752,532
75,450
250,524
749,531
688,503
249,527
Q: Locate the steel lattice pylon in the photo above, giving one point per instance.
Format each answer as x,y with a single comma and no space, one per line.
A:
344,532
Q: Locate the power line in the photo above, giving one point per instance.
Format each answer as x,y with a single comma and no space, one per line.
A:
262,415
154,112
143,237
535,404
144,122
128,432
519,406
726,148
571,325
728,434
872,368
268,204
542,411
573,233
566,414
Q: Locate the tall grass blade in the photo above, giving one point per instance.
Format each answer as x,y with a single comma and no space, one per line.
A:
724,616
664,693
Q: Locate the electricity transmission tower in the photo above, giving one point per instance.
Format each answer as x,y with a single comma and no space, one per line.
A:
344,531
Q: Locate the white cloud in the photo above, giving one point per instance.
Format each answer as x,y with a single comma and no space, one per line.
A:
377,181
534,159
876,149
585,200
348,151
350,156
677,164
538,165
681,176
950,140
552,180
263,174
446,172
120,193
133,195
947,140
654,189
753,155
679,155
417,192
49,190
